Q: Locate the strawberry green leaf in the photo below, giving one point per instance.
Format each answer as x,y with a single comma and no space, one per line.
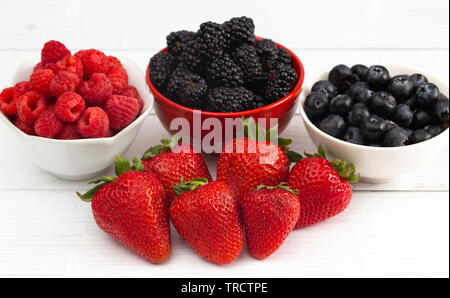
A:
137,165
282,185
122,165
106,179
293,156
165,146
89,195
192,185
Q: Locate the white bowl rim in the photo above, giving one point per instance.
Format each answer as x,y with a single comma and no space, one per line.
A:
91,141
431,78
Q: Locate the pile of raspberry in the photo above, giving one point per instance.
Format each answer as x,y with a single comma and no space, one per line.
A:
68,97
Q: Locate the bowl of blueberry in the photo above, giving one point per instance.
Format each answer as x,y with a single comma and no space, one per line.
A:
391,115
224,71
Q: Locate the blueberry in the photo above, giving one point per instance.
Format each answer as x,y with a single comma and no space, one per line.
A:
341,105
434,130
342,77
326,87
363,96
411,102
401,87
442,96
427,94
390,125
421,119
373,128
439,111
403,115
356,88
333,125
353,135
419,136
383,104
418,79
409,132
378,77
316,105
359,72
359,111
395,137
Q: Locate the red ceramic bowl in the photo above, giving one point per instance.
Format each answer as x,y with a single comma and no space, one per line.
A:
283,109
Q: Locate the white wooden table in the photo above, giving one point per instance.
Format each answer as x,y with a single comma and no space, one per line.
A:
394,230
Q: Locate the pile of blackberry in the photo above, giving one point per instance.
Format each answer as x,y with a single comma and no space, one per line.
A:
222,68
366,106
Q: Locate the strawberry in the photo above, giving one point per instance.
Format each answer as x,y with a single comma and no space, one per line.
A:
131,208
247,162
173,160
269,215
324,187
206,215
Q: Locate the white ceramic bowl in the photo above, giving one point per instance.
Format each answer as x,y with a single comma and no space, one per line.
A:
86,158
379,165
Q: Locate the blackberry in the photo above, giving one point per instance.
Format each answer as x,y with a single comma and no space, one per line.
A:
176,80
211,40
280,82
247,59
223,72
240,31
284,57
190,56
161,66
178,41
268,53
226,99
192,91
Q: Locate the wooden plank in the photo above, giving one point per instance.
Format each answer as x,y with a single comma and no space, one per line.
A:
391,235
303,24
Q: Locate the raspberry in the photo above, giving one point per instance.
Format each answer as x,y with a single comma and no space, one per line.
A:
30,106
40,82
37,67
48,125
69,107
121,111
53,51
64,82
94,123
50,66
97,90
69,132
131,91
8,101
22,87
118,77
114,62
25,127
72,64
94,61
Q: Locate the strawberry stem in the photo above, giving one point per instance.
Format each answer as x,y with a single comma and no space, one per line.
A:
192,185
166,145
282,185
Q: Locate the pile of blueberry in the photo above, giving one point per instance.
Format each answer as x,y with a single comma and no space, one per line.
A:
366,106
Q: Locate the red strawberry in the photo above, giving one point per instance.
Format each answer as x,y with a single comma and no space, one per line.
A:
206,215
324,187
131,208
172,161
269,215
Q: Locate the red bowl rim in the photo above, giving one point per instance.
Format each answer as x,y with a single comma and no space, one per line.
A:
296,90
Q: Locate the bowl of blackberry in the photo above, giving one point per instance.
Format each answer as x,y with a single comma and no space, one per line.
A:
224,71
392,115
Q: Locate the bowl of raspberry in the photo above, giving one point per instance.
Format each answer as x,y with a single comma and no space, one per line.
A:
73,113
221,72
389,121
